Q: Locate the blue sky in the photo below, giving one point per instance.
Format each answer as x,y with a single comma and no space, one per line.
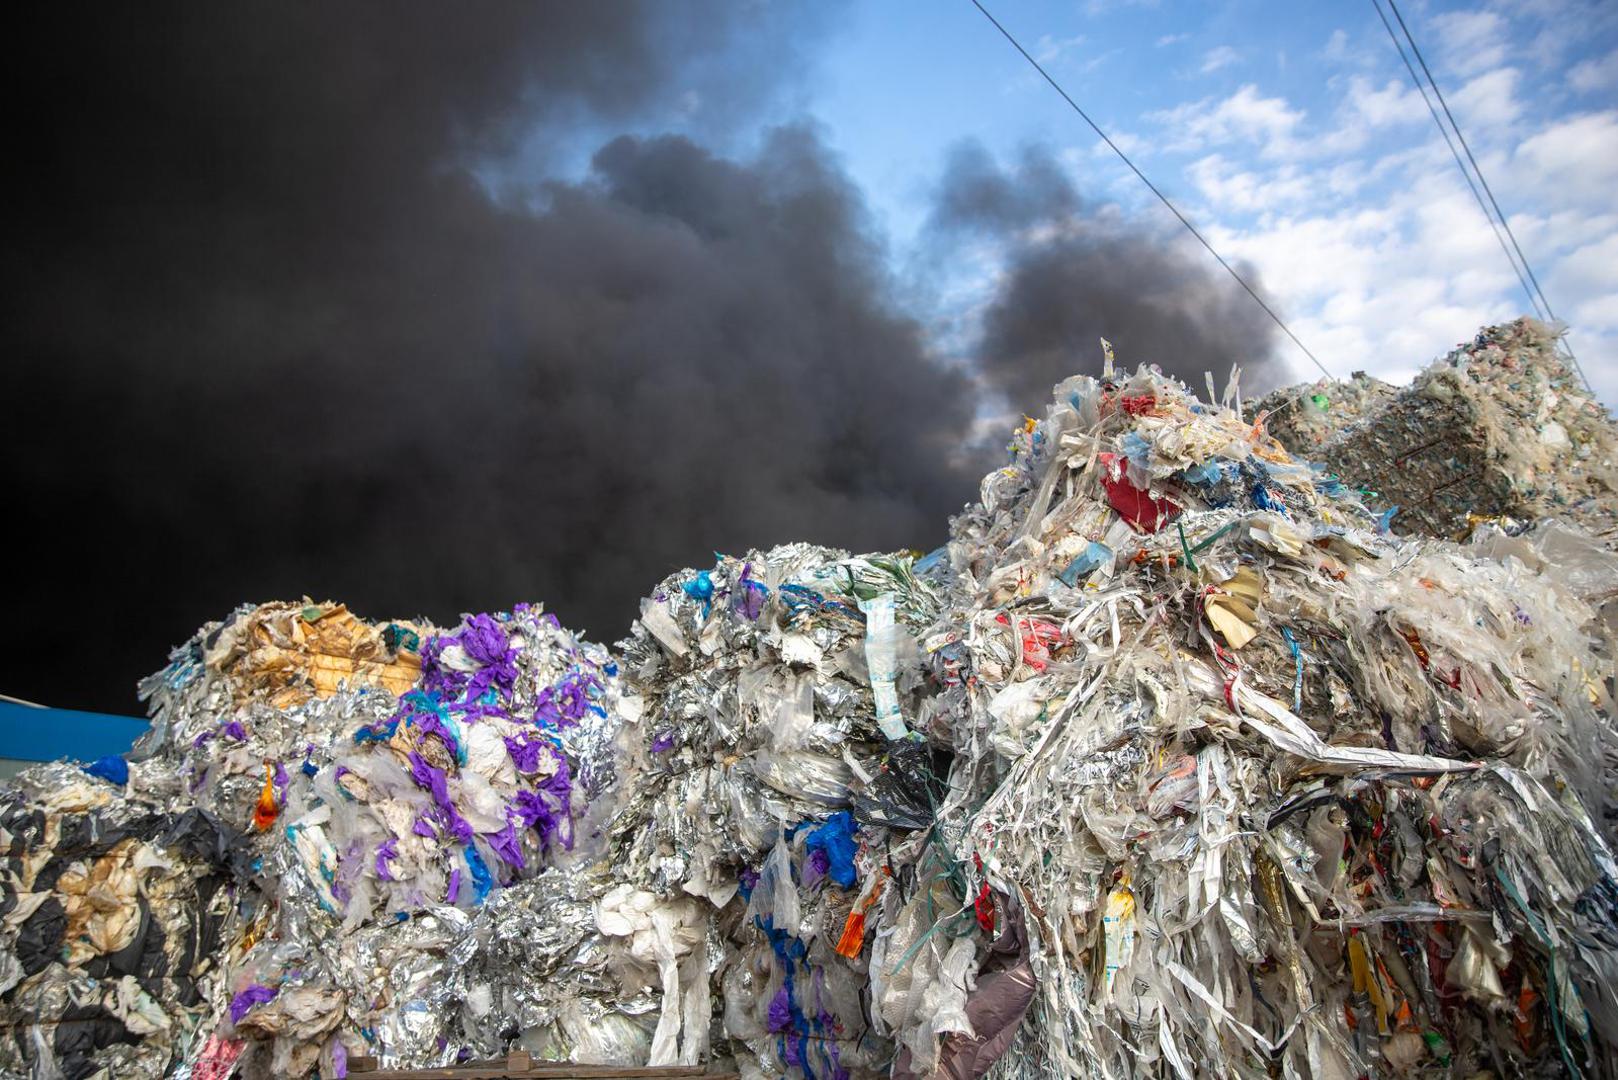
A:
1290,133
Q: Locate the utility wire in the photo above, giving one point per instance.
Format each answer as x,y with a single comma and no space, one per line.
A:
1259,300
1543,300
1421,88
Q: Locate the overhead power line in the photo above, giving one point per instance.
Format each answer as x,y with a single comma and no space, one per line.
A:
1259,300
1432,109
1536,294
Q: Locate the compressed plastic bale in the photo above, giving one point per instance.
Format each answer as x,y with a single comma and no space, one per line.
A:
1501,427
1306,417
114,902
387,807
761,784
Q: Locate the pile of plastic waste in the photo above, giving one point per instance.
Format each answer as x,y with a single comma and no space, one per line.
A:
1501,427
1177,761
1244,787
433,846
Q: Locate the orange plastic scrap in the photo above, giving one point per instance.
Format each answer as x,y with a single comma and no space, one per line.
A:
267,810
1524,1018
853,939
1414,639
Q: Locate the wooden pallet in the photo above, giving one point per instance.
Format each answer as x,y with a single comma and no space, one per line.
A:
520,1065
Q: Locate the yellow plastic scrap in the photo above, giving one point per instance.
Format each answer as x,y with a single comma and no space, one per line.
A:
291,652
1233,608
1277,534
1366,982
1118,929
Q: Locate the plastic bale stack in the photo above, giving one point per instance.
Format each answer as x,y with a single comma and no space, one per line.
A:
112,910
1243,788
773,764
394,781
1500,428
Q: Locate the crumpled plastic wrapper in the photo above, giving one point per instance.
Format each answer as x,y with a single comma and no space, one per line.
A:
1262,788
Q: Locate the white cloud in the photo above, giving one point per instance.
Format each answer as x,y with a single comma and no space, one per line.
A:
1133,145
1245,116
1394,102
1571,161
1345,50
1488,101
1565,26
1469,41
1278,129
1220,56
1048,49
1171,39
1384,261
1228,187
1590,76
1585,285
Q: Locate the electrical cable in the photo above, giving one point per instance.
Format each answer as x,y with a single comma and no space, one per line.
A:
1154,189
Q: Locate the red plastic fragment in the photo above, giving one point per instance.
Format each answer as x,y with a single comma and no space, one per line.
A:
1137,505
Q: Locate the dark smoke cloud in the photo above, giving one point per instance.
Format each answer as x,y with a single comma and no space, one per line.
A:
268,333
1075,273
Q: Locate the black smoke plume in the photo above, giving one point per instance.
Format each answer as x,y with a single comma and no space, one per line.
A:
289,310
1075,273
